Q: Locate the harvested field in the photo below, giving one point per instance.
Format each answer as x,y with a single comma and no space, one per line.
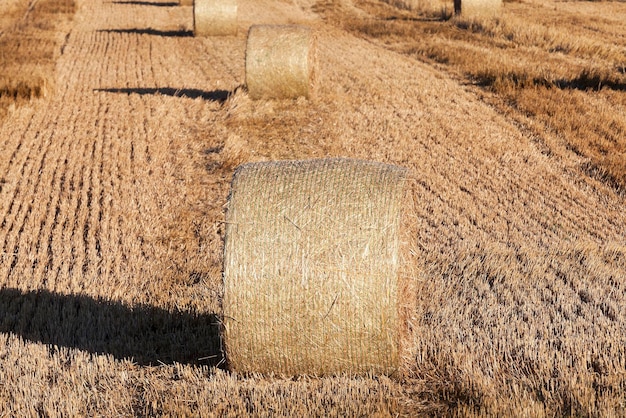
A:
112,194
545,64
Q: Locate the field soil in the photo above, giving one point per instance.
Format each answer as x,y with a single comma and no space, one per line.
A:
112,195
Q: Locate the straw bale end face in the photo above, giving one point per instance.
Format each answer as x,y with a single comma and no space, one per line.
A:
281,61
214,17
316,275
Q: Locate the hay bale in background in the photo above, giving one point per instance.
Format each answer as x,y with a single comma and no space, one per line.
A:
280,61
215,17
477,8
317,267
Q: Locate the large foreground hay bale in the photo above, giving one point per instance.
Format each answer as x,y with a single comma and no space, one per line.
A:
280,61
317,268
215,17
477,8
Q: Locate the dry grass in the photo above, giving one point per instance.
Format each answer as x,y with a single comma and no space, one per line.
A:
547,65
31,37
538,332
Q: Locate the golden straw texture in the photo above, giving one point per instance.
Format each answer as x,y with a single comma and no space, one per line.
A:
186,2
313,270
477,8
280,61
215,17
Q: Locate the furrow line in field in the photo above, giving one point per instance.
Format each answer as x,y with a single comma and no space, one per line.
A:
91,226
81,225
60,237
71,226
16,219
560,212
484,204
102,67
56,187
114,138
121,163
486,209
144,64
134,66
109,234
30,143
43,251
54,246
86,249
14,142
223,60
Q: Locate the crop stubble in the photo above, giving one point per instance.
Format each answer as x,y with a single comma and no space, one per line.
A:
544,64
111,214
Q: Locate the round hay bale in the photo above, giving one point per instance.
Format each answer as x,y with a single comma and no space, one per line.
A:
317,268
215,17
280,61
477,8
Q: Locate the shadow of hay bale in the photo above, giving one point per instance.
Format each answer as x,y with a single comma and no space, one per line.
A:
146,334
152,32
147,3
212,96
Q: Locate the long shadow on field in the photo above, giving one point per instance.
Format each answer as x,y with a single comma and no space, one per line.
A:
145,334
590,82
153,32
212,96
147,3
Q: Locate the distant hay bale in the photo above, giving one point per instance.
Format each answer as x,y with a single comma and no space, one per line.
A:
317,268
280,61
215,17
477,8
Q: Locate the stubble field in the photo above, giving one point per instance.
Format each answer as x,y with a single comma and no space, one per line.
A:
113,186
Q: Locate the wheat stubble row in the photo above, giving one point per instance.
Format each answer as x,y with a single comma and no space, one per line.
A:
111,211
